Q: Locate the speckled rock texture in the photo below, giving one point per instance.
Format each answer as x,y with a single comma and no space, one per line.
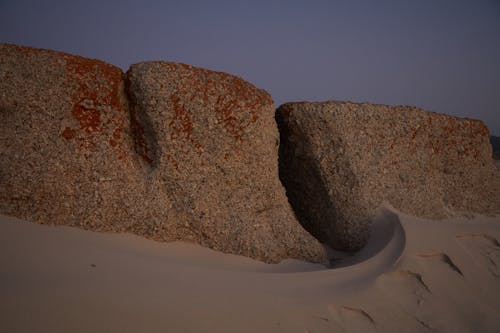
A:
210,142
192,156
340,161
66,154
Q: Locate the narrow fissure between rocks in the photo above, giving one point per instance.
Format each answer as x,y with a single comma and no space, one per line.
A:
145,138
305,190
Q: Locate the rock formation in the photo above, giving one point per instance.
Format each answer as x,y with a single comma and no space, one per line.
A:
210,143
66,152
340,161
181,154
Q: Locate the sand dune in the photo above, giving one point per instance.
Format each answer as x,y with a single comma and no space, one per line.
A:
414,276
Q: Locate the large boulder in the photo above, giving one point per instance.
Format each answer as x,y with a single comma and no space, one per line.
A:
340,161
193,156
211,144
66,150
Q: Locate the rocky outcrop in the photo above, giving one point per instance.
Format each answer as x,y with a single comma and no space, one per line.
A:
190,155
340,161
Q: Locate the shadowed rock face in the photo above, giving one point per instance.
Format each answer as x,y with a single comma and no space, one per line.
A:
495,145
185,154
340,161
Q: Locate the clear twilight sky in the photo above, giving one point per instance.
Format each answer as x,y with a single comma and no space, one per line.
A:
442,55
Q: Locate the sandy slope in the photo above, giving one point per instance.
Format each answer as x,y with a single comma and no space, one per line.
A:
414,276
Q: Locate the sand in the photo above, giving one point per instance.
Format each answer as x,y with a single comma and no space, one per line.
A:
413,276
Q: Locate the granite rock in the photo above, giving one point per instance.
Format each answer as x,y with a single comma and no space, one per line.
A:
340,161
181,154
66,150
210,142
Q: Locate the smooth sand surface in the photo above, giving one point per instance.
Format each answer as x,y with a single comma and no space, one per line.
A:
414,276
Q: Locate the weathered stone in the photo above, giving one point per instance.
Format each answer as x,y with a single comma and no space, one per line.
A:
340,161
187,162
66,154
210,142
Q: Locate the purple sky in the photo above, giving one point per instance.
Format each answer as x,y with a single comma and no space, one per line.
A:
442,55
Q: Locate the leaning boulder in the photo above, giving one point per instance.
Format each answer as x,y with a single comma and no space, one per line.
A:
210,142
340,161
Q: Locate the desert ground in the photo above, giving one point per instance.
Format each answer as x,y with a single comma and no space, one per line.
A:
414,275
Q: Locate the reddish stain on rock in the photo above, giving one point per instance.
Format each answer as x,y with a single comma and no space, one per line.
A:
236,109
89,119
181,124
117,133
95,98
68,133
115,137
229,110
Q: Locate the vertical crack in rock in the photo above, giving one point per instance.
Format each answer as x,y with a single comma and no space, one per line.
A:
305,188
145,139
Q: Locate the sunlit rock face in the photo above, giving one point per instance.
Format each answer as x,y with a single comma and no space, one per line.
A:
167,151
340,161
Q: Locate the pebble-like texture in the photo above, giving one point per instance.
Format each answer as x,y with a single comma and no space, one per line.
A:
340,161
66,154
194,157
210,142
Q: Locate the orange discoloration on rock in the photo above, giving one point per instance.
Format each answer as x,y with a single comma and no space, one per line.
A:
414,134
181,124
96,102
68,133
122,155
235,110
89,119
115,137
172,161
228,110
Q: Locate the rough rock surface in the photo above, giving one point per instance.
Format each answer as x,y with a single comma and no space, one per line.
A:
340,161
66,154
194,158
211,143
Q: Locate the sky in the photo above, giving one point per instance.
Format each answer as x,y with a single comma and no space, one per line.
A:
441,55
